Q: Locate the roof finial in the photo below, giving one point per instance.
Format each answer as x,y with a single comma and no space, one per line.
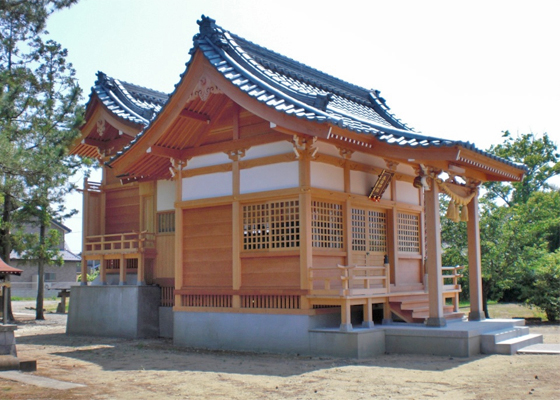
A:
207,25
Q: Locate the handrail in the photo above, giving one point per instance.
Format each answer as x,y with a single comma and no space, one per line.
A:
453,288
119,242
353,280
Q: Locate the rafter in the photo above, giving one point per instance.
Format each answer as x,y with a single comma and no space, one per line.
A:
194,115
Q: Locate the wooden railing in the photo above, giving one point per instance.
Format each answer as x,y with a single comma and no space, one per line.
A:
131,242
451,286
351,280
167,296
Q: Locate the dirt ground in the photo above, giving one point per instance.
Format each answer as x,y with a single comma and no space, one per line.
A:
155,369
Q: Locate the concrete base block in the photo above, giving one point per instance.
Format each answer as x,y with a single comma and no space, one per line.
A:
360,343
477,316
166,322
8,340
443,342
436,322
114,311
367,324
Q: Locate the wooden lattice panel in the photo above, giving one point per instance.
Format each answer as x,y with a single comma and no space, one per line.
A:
369,230
256,227
166,222
327,225
270,301
206,300
377,228
272,225
409,232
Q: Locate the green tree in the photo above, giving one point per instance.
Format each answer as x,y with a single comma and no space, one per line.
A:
39,101
519,221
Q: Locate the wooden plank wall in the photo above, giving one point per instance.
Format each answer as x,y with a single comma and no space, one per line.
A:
207,247
122,210
165,262
279,271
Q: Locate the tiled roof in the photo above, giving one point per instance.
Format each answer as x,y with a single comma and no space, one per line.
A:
297,89
127,101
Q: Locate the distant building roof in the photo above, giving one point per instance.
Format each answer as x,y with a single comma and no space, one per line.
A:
66,254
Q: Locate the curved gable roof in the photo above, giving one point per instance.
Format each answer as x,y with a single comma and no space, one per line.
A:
295,89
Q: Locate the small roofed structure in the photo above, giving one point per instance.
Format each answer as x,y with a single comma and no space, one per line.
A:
5,272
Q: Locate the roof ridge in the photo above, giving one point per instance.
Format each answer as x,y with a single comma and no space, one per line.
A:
366,97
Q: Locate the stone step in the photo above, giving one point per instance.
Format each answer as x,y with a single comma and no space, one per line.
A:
489,340
511,346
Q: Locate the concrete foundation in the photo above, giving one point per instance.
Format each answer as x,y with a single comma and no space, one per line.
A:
114,311
8,340
166,322
252,332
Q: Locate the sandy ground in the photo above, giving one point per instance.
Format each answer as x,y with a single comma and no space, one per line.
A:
155,369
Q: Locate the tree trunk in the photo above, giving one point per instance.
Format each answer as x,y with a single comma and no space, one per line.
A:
40,276
485,291
7,247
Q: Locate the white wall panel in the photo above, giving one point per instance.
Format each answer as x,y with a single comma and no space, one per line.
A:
207,186
208,160
326,176
361,184
165,195
266,150
406,193
270,177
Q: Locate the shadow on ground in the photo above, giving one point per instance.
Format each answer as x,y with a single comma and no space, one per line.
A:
114,354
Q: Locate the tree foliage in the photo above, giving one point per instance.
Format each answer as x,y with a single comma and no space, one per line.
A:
39,116
519,222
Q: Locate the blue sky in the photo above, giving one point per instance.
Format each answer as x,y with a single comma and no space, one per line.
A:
460,70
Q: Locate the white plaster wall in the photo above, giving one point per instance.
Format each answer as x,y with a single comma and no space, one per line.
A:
165,195
406,193
266,150
369,160
361,184
207,186
208,160
270,177
326,176
328,149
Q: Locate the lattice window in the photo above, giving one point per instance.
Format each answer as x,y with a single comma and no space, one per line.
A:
327,225
206,300
409,232
369,230
166,222
272,225
377,224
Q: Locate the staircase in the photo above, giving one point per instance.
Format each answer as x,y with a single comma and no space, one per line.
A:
415,308
508,341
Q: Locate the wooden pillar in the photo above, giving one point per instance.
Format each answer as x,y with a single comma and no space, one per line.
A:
122,270
102,271
368,314
433,262
83,280
345,316
178,232
305,243
475,267
387,314
141,279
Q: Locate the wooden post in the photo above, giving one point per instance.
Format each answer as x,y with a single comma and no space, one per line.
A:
368,314
83,280
387,315
122,270
306,253
178,232
475,267
345,316
102,271
433,262
141,281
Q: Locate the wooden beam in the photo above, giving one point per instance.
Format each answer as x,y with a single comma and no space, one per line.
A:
194,115
164,152
232,145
